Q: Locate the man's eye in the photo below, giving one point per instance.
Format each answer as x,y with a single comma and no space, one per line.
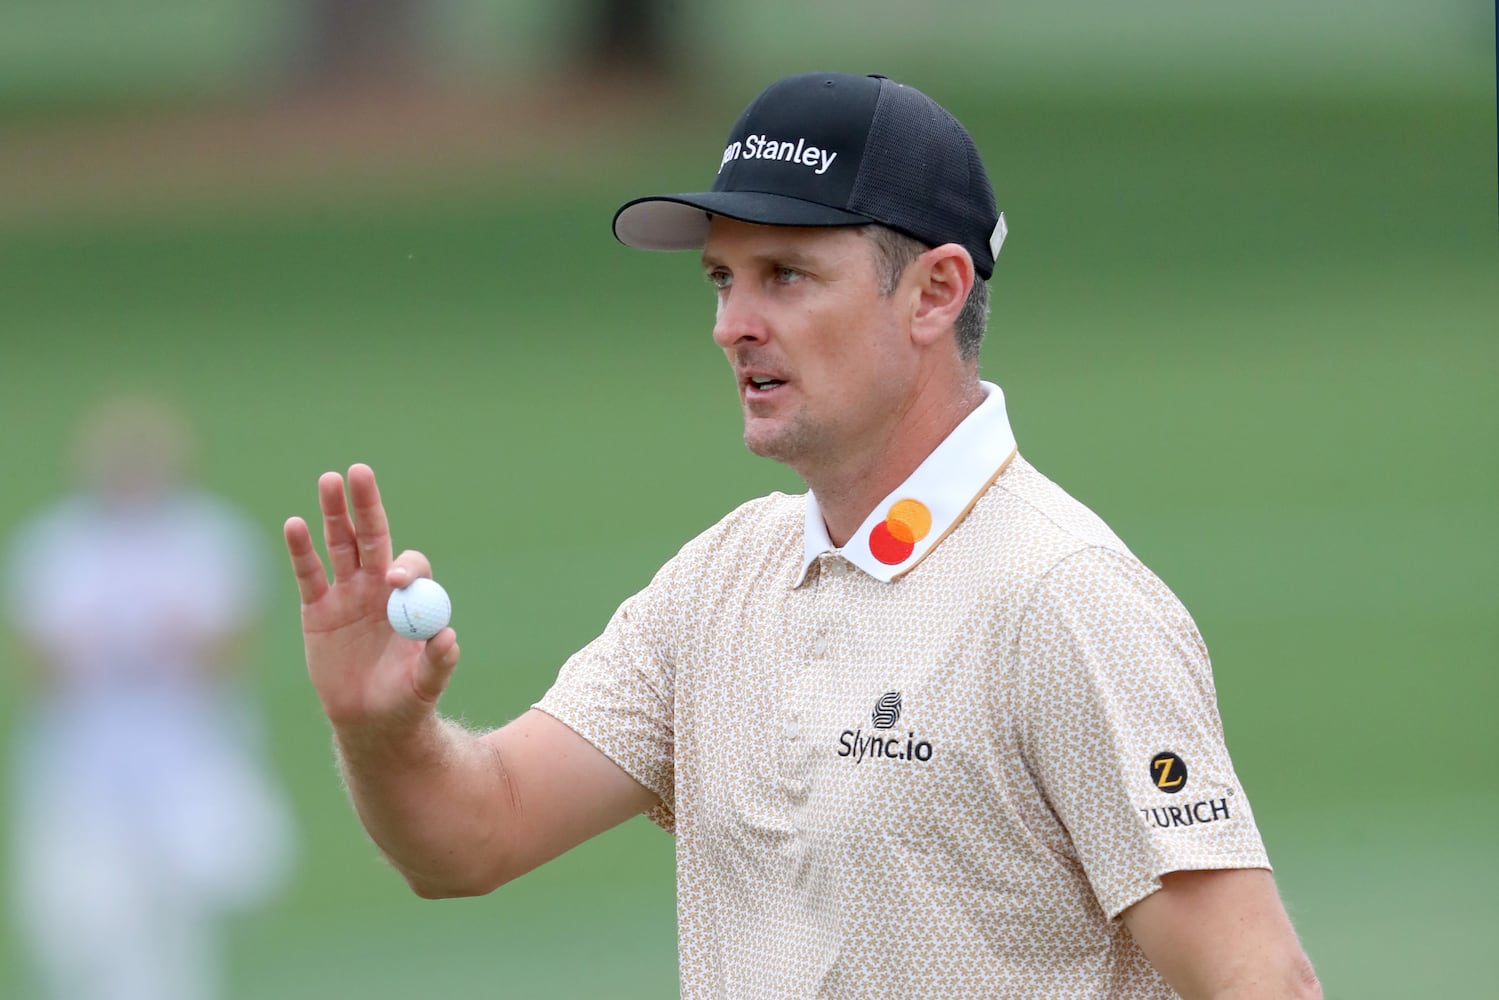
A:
786,275
720,279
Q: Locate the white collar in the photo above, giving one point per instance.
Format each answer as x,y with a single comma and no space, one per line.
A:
923,510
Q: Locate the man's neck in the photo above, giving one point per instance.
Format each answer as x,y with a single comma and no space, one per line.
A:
848,491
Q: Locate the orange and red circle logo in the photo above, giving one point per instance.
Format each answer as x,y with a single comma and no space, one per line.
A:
907,523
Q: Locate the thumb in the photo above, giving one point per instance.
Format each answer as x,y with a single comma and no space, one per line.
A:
435,667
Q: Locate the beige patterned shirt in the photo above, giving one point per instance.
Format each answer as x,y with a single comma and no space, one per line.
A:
938,762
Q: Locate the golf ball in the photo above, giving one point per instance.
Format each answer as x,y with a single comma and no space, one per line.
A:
420,609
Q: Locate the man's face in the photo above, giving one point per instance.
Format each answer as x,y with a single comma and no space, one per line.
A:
821,357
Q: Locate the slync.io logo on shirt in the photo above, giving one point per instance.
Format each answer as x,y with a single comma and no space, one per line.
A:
880,743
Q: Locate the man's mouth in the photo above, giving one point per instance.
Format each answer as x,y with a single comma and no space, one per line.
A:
759,383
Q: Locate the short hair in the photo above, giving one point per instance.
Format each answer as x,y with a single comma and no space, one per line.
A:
894,252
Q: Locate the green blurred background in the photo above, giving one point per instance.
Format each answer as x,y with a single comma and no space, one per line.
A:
1247,312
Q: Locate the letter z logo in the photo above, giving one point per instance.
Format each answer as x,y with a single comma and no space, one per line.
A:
1168,772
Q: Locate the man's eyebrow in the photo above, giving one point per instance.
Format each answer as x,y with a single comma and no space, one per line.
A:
785,255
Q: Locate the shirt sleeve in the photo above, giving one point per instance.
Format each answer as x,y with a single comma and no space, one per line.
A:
1119,724
617,693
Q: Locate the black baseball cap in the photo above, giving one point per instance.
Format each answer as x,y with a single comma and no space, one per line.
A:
836,149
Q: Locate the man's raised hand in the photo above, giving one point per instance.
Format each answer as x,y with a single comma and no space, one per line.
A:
367,677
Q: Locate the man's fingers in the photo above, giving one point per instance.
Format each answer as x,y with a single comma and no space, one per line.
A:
338,529
357,540
312,581
435,668
407,567
371,529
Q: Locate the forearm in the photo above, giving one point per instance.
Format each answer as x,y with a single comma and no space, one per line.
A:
1223,935
434,800
1295,980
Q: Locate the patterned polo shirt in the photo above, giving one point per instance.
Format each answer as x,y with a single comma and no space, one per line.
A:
936,762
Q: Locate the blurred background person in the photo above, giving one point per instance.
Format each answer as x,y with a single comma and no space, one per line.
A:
142,810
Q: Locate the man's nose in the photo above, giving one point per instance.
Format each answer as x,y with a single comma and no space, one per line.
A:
738,321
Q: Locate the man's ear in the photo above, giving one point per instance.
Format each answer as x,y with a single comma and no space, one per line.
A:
944,276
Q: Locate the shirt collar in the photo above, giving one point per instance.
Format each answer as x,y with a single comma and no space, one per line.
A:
923,510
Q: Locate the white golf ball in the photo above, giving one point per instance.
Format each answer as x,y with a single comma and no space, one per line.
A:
420,609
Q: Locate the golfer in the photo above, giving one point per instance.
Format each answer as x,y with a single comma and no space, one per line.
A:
928,729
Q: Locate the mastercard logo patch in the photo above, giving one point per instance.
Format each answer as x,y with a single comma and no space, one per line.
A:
893,541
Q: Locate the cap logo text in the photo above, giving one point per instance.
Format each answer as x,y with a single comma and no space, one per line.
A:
763,147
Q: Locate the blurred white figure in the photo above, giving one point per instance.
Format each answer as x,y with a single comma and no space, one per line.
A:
143,810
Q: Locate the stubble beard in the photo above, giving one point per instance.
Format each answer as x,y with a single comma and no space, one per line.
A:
792,443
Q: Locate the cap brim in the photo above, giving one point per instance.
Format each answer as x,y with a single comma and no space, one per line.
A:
680,221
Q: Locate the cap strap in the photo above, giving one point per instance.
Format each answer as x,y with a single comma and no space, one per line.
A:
997,238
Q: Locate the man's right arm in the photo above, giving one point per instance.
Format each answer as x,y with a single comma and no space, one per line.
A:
457,813
460,814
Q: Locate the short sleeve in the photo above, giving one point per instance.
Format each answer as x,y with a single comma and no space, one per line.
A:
1119,724
617,693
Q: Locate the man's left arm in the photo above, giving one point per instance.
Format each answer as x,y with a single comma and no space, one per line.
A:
1223,935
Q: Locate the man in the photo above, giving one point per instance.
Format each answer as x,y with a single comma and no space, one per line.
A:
929,730
143,808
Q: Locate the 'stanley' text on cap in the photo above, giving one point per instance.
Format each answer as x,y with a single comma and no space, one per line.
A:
761,147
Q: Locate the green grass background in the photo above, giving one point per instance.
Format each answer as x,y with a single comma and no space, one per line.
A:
1253,326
